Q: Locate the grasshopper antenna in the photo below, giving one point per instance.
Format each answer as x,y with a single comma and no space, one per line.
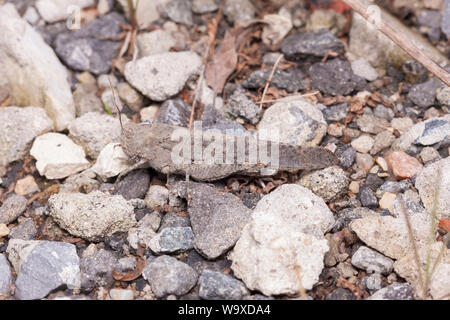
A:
115,103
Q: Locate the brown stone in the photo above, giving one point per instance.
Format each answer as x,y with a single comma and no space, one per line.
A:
403,165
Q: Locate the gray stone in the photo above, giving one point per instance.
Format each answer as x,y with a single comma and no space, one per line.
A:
362,68
130,97
297,122
199,263
314,44
12,208
134,185
91,48
147,13
367,197
121,294
346,216
211,212
396,291
429,154
240,106
239,12
43,266
336,113
372,124
346,156
340,294
424,94
372,261
383,112
382,141
175,112
94,131
56,10
173,240
162,75
156,197
26,230
126,264
92,216
36,79
167,275
144,232
215,285
335,77
6,278
445,22
179,11
443,96
373,282
96,267
173,220
290,81
154,42
18,128
395,186
329,183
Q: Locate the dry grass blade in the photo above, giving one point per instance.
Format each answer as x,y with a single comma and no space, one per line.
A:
269,80
115,103
408,46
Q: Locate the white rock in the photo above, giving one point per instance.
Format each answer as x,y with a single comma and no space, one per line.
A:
156,197
162,75
111,161
92,216
147,11
31,15
121,294
283,247
390,235
158,41
276,258
149,113
18,128
328,183
362,68
57,156
37,79
57,10
94,131
276,29
297,122
432,181
363,144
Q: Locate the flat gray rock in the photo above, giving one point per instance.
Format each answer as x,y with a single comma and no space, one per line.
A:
96,268
6,278
173,240
214,285
372,261
12,208
396,291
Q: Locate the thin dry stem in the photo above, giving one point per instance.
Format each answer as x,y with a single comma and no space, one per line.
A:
404,43
269,80
115,103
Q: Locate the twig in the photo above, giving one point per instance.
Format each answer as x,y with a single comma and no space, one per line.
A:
269,80
408,46
295,96
115,102
205,60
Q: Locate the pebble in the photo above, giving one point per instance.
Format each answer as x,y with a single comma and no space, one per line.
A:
126,264
373,282
315,44
362,68
348,215
340,294
372,261
57,156
173,220
46,82
86,100
96,267
240,106
435,178
402,124
364,162
335,130
6,277
179,11
371,124
4,230
94,131
335,77
336,113
214,285
174,112
155,42
395,291
403,165
387,201
43,266
297,122
326,19
26,186
121,294
56,10
276,27
144,232
346,156
156,197
290,81
111,161
383,112
274,230
443,96
367,197
16,137
12,208
162,75
363,144
134,185
239,12
173,240
92,216
149,11
26,230
354,187
429,154
382,163
91,48
424,94
130,96
204,6
445,22
382,141
329,183
148,113
211,211
167,275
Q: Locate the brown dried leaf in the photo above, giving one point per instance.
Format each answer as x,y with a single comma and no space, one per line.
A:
223,63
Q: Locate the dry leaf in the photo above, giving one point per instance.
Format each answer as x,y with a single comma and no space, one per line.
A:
223,64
